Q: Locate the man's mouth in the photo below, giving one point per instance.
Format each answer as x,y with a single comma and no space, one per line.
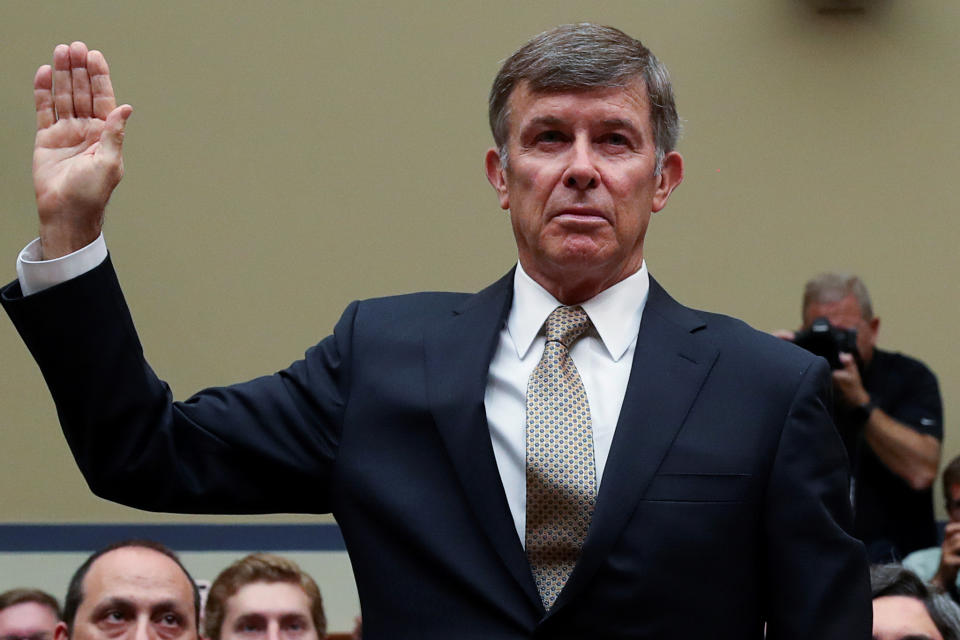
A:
581,216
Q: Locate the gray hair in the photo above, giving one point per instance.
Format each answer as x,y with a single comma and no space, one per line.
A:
578,57
833,287
895,580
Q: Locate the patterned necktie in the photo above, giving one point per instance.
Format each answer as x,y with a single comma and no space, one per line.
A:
561,479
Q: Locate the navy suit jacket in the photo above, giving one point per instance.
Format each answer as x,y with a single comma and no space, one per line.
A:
723,504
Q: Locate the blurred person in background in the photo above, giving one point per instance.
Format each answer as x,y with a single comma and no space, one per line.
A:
904,608
939,565
889,414
28,614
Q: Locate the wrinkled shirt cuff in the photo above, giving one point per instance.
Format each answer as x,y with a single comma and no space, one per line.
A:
36,274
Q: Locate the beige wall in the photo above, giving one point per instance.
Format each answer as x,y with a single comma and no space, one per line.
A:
284,159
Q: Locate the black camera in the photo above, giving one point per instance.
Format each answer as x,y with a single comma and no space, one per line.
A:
824,339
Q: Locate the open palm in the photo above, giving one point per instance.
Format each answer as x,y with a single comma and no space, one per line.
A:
77,159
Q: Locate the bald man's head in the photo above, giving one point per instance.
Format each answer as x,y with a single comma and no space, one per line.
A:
131,587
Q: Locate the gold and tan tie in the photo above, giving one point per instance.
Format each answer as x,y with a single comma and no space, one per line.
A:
561,479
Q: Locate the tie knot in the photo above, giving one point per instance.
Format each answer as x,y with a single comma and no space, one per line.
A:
566,324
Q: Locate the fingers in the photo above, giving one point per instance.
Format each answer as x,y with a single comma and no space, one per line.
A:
78,85
80,81
101,88
111,140
849,363
43,96
62,83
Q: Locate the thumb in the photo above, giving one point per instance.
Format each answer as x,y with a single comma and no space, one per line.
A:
111,140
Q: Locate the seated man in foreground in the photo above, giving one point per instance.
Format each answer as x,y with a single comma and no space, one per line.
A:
264,596
133,589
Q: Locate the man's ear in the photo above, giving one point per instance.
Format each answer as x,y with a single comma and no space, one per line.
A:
874,325
60,631
495,174
671,175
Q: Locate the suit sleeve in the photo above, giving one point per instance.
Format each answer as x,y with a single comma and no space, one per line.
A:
267,445
816,570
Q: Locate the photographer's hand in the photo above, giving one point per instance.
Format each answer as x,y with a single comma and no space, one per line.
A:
946,574
848,382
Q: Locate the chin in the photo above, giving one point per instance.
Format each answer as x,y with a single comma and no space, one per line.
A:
583,251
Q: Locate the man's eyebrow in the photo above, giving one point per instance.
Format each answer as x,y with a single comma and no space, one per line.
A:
115,602
294,615
620,123
610,123
545,121
250,617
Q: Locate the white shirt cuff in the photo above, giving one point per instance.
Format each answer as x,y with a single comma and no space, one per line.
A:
36,274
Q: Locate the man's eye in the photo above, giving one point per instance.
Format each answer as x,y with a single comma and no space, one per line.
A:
617,139
170,619
114,616
550,137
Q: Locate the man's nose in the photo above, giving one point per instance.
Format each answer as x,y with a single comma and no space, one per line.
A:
143,630
581,173
273,630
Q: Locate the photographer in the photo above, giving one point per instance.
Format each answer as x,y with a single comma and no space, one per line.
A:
888,411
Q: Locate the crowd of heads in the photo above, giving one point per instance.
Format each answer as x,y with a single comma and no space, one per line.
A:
140,589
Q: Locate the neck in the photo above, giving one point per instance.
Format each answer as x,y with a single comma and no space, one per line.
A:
576,287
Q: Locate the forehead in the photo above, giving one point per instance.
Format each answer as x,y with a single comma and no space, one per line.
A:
844,312
581,105
25,616
262,597
138,574
898,616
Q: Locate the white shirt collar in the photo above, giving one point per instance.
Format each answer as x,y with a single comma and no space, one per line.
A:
615,312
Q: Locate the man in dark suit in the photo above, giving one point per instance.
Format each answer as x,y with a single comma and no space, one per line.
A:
569,453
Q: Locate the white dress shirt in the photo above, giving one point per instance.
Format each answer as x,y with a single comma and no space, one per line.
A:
603,356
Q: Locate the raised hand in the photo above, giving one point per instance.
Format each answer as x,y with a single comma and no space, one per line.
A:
77,159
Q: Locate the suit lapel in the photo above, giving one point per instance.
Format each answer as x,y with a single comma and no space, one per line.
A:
459,349
669,366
